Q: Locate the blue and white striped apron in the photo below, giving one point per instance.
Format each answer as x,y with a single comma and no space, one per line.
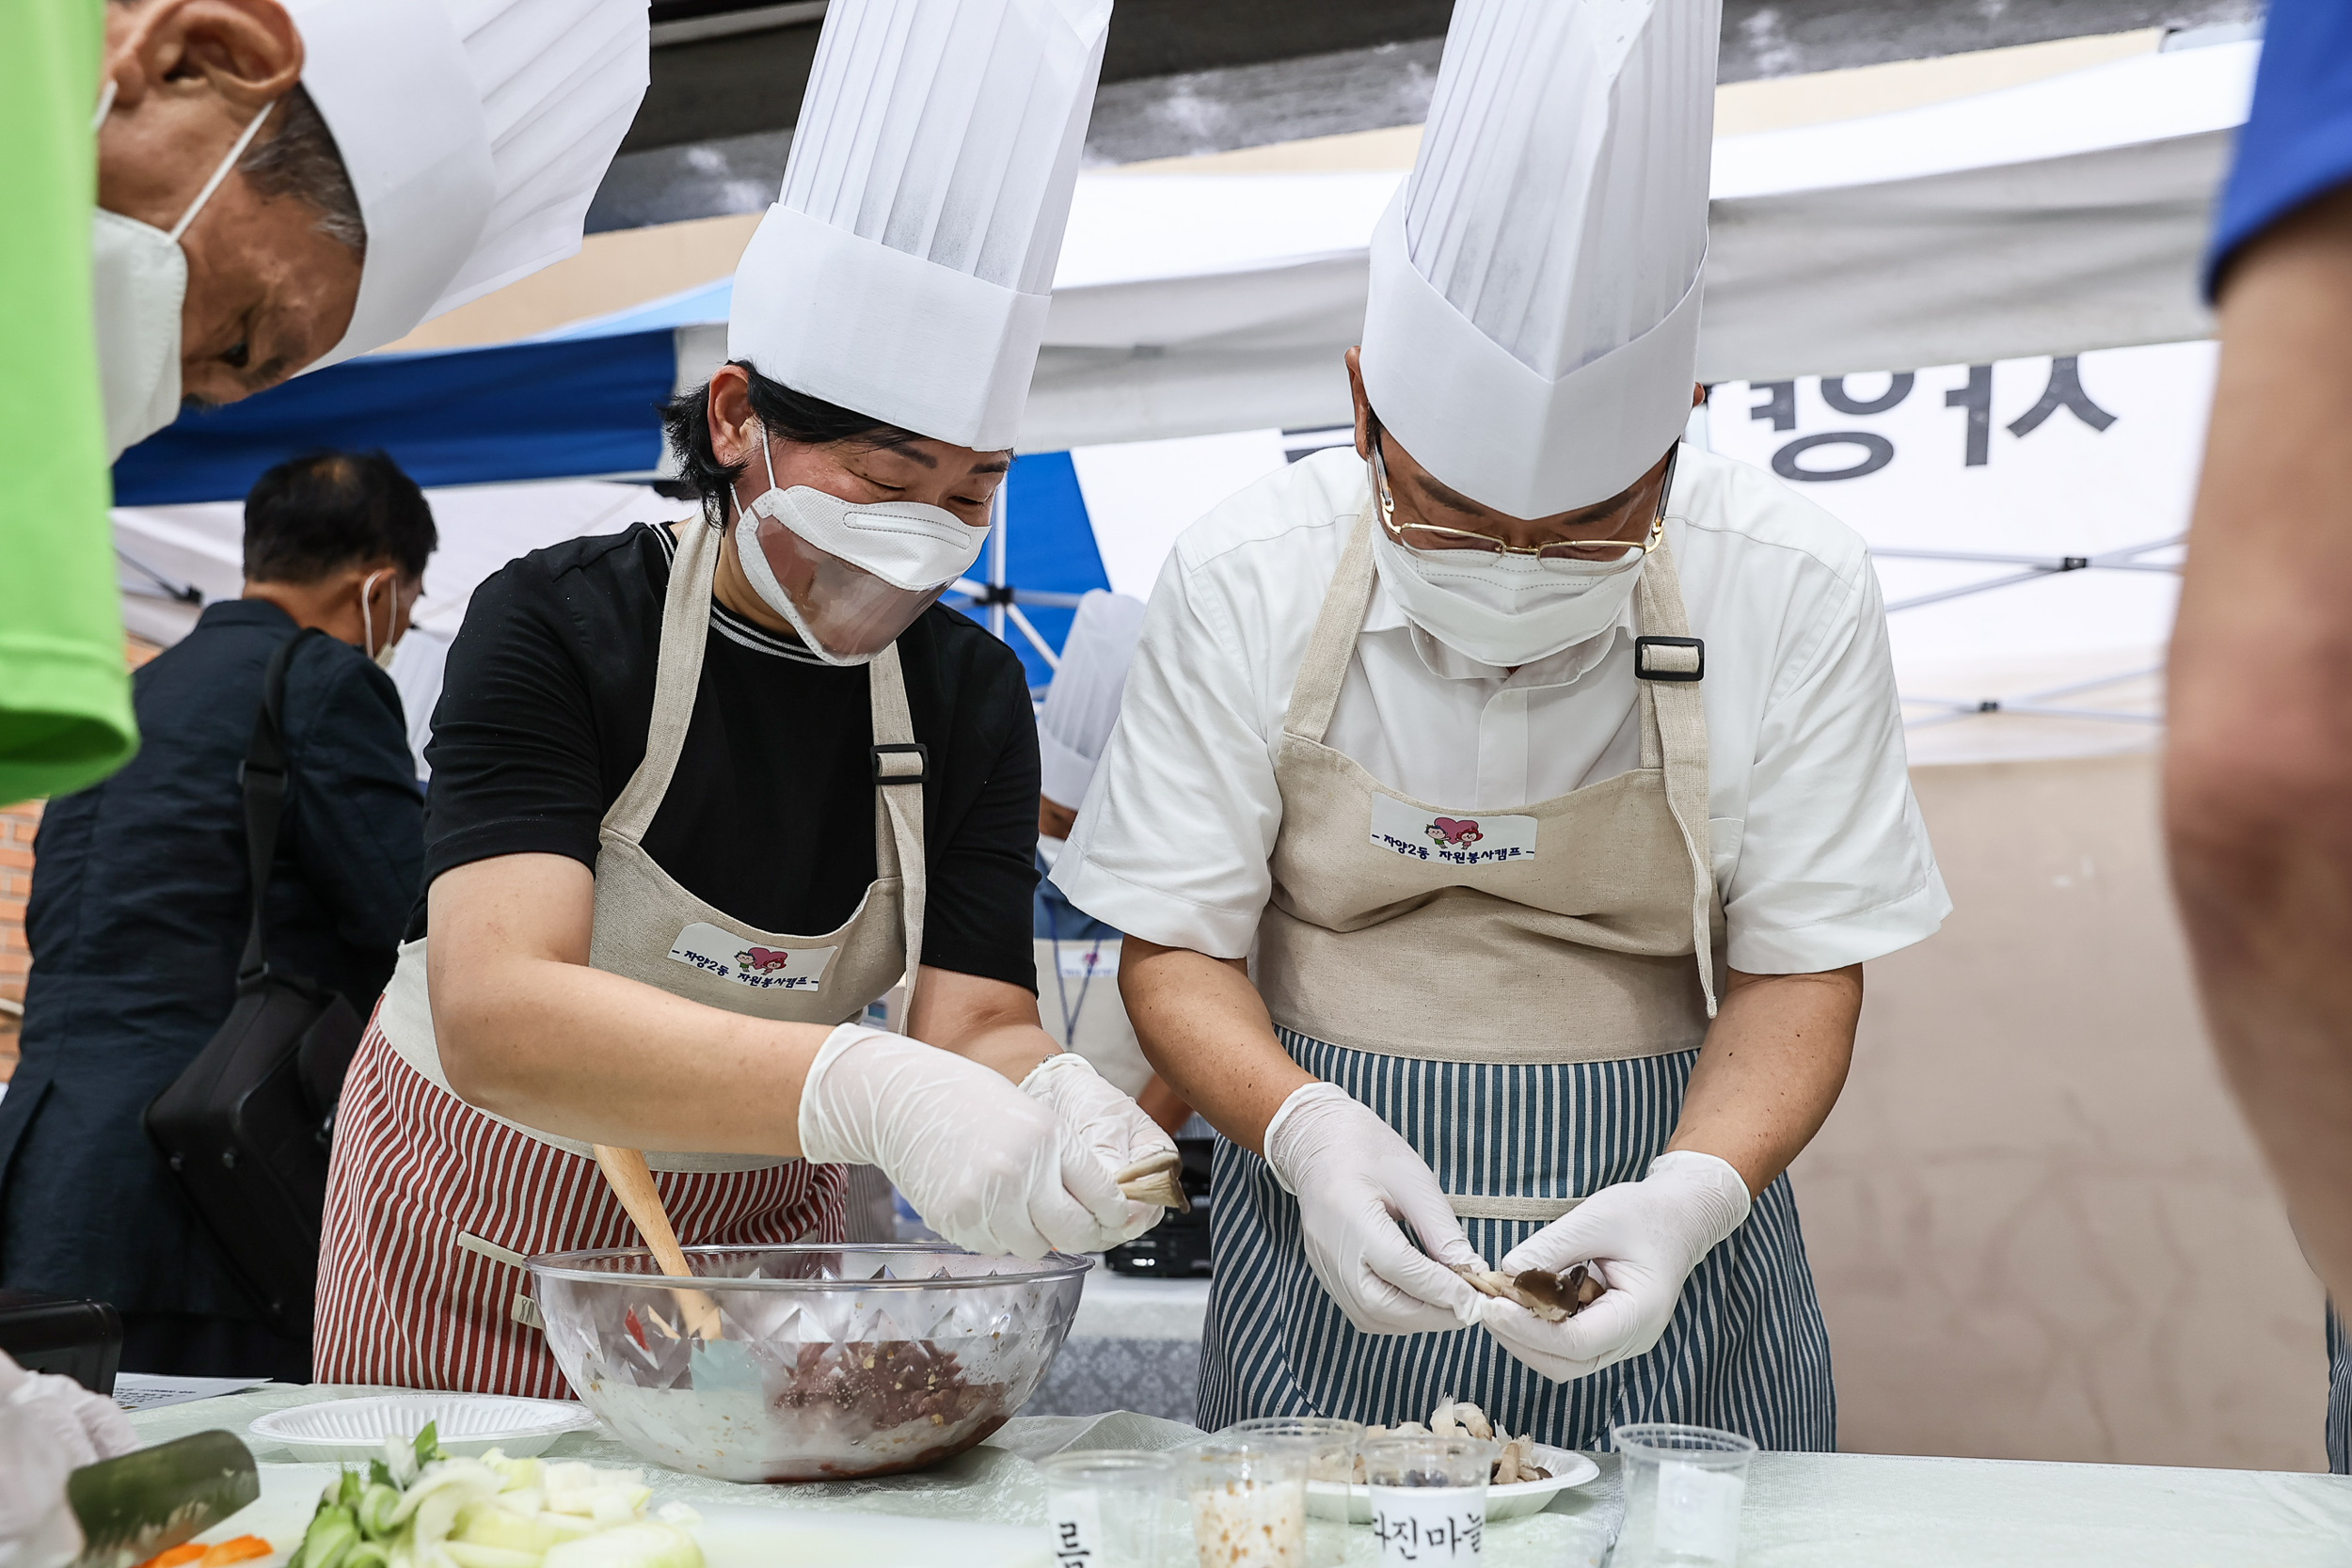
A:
1527,1023
2339,1393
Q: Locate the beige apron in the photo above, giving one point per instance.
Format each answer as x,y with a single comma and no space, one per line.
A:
1518,994
649,929
1560,931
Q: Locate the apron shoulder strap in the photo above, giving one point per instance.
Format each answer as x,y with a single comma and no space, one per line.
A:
677,675
1315,691
902,767
1669,663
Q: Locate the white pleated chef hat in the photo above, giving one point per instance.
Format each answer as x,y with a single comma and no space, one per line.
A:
1531,331
1082,705
905,270
475,133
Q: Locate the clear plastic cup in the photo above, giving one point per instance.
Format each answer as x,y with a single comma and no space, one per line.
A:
1247,1503
1429,1498
1329,1444
1108,1507
1683,1489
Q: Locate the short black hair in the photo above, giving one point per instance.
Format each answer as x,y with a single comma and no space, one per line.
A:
794,416
323,511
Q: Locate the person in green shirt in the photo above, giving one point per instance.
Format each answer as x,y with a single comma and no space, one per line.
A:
65,696
175,307
278,185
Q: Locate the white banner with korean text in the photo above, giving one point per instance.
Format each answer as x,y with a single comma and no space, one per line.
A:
2022,517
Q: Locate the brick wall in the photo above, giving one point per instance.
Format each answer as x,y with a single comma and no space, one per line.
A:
17,826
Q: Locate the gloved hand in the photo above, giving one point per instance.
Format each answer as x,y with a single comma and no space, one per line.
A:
986,1166
1355,1177
49,1426
1645,1238
80,1425
1106,1121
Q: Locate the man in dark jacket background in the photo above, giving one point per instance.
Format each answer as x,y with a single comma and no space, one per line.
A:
141,904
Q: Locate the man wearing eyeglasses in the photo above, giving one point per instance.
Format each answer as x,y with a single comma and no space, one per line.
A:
1502,812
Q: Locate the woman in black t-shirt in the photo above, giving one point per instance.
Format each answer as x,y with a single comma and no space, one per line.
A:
698,792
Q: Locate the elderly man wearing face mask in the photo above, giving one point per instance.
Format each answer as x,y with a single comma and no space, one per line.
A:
1501,812
280,186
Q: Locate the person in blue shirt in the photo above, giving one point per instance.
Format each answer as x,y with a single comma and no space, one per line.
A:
140,900
1077,956
2259,763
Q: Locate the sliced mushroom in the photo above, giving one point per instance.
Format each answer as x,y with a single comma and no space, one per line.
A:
1460,1417
1549,1296
1566,1294
1517,1463
1158,1178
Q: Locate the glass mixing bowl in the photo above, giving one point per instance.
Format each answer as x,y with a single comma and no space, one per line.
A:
832,1362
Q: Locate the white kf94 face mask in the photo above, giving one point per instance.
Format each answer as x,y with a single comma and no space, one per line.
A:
138,283
849,577
1504,608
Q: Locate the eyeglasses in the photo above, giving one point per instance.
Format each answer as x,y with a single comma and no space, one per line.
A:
1589,552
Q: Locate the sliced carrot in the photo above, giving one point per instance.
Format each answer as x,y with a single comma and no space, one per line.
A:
177,1556
235,1550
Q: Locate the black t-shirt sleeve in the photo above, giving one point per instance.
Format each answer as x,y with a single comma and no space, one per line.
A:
984,866
517,763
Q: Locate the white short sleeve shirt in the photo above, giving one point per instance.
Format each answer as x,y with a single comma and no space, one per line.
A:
1819,852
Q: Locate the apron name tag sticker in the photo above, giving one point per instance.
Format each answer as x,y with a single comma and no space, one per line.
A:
1465,840
731,958
1085,961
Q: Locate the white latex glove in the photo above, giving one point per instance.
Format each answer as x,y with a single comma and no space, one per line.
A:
49,1426
1106,1121
1355,1177
988,1167
1645,1238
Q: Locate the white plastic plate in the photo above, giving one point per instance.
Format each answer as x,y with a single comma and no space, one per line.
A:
1568,1468
468,1424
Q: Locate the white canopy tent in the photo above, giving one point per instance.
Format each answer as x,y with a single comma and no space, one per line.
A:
2048,219
2062,216
2057,216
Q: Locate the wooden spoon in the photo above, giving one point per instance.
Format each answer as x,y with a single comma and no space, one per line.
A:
632,1179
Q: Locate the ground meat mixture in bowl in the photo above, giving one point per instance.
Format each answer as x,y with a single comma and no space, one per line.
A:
829,1362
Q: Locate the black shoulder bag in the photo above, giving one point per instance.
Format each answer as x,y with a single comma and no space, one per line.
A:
246,1126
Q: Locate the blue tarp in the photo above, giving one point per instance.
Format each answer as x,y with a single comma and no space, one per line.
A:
540,410
576,404
1049,544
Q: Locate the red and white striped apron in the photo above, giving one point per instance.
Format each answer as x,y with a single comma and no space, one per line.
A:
432,1205
419,1175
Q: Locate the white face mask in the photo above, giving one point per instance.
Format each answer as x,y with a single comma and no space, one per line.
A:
382,656
138,283
1503,610
849,577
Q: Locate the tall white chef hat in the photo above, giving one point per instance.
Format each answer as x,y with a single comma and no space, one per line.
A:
904,272
475,133
1082,705
1533,326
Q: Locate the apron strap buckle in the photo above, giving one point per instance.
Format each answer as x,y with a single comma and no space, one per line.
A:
1669,659
906,762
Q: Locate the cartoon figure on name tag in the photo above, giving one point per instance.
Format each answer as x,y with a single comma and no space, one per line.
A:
1453,833
762,960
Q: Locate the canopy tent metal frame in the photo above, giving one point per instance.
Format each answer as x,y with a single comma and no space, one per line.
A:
1002,600
2036,704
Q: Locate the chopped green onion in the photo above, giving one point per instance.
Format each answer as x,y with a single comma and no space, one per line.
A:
330,1539
376,1507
